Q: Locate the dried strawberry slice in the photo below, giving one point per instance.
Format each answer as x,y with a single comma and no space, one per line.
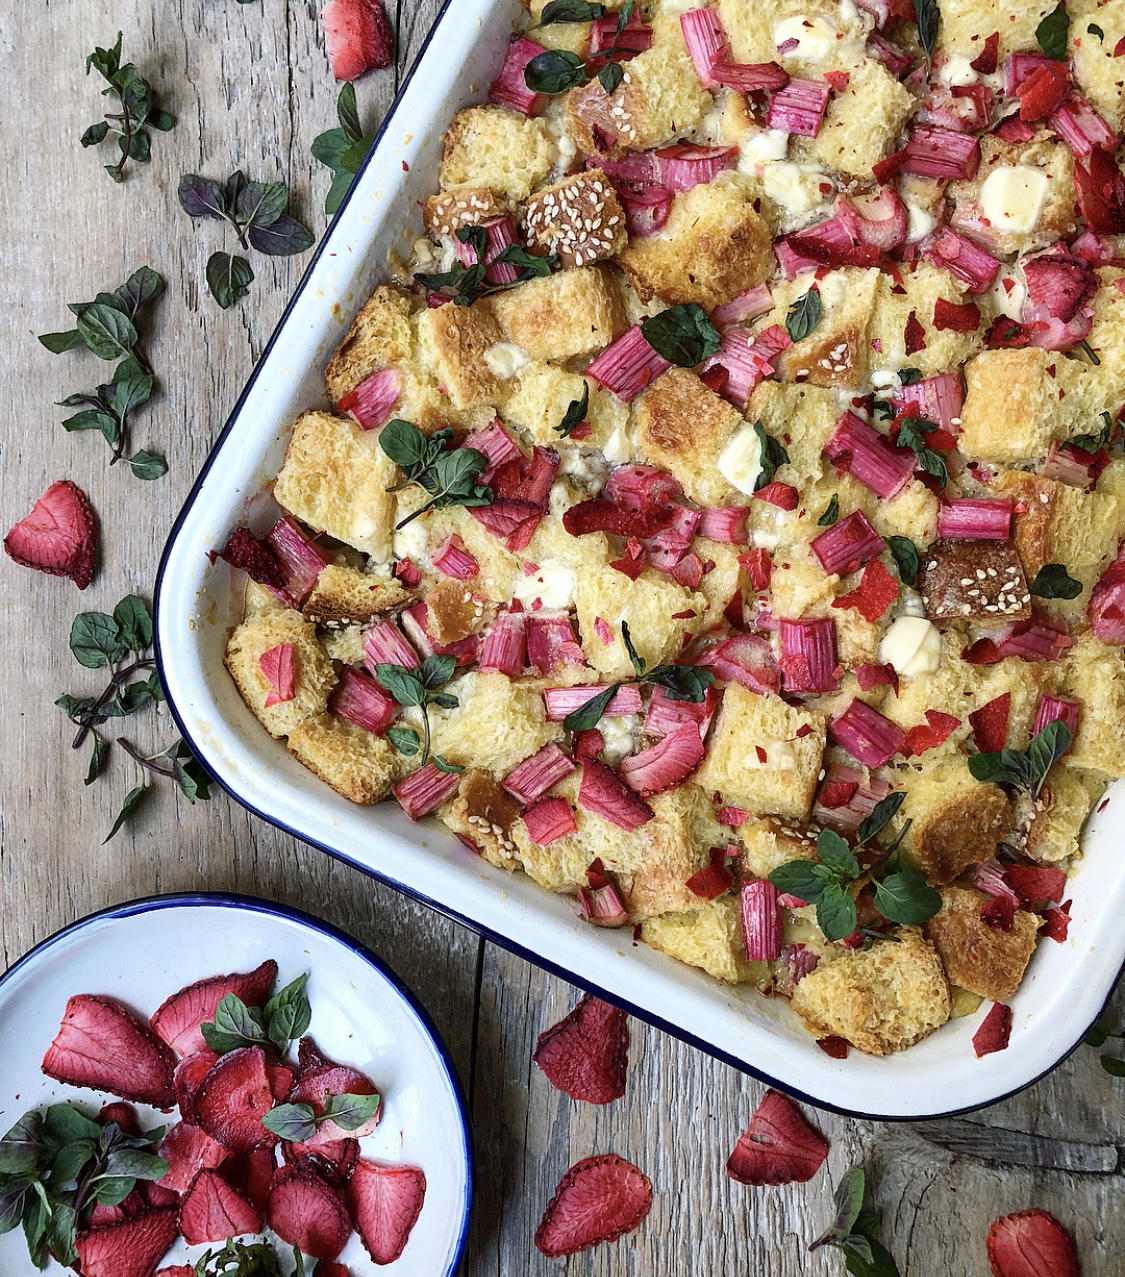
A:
1044,91
778,1147
188,1150
598,1200
59,536
306,1211
252,1175
587,1052
1031,1243
130,1248
357,37
177,1020
1100,187
385,1203
666,764
329,1267
233,1099
212,1211
995,1031
1036,884
600,515
330,1078
335,1160
876,591
177,1270
931,734
989,58
256,558
990,724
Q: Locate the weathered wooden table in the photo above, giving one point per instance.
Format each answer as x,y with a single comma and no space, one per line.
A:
250,86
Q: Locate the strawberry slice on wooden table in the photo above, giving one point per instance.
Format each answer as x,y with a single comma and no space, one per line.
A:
385,1202
586,1054
59,536
178,1018
357,36
131,1248
778,1147
598,1200
1031,1243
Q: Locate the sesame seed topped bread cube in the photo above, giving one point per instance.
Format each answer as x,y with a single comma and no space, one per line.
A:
448,211
498,148
484,813
986,960
345,596
579,218
978,581
314,675
838,350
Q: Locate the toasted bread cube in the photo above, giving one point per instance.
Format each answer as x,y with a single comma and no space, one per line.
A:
785,782
543,393
572,36
578,217
454,609
828,37
1098,74
455,340
649,605
881,999
838,350
957,821
497,724
1017,402
1065,803
983,959
315,676
484,813
713,246
683,427
344,596
768,844
917,296
344,645
357,764
335,478
448,211
562,316
380,337
1107,334
978,581
803,417
965,23
912,513
492,146
257,600
1095,675
709,937
1045,154
862,124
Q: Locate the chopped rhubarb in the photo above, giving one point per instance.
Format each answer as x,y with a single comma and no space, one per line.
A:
551,643
893,56
864,453
1043,91
743,308
995,1031
791,261
563,701
500,233
497,445
799,107
505,645
666,764
937,399
964,260
990,879
360,700
683,167
383,644
452,559
604,793
847,544
745,362
990,724
876,591
548,820
665,715
808,655
859,806
646,210
408,572
1019,67
636,37
706,41
750,77
535,775
601,906
746,659
1107,602
279,669
1072,466
1082,128
510,87
301,559
932,734
1054,708
882,220
941,153
838,241
726,524
1044,637
782,495
976,519
869,737
371,403
732,817
761,921
425,790
628,366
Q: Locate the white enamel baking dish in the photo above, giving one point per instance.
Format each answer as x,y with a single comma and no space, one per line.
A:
197,603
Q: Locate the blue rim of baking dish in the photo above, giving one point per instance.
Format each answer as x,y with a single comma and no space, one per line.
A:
254,904
536,959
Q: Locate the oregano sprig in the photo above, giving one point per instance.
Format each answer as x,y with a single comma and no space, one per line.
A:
1098,1036
1024,769
912,432
853,1230
804,315
575,414
296,1123
928,16
419,689
285,1017
138,110
246,1259
467,284
342,149
556,70
448,475
682,334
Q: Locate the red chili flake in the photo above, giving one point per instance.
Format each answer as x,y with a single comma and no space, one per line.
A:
915,335
838,80
802,731
989,58
876,591
683,616
405,167
763,757
949,317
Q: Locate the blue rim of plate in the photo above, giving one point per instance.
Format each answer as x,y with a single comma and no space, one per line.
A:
254,904
536,959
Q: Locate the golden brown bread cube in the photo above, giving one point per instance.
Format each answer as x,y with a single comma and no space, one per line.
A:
1098,75
917,295
770,843
838,350
1107,332
978,581
495,147
1095,675
683,427
713,246
785,782
448,211
881,999
345,596
578,217
709,937
803,417
1064,805
453,610
497,723
956,821
484,813
983,959
335,478
965,23
358,765
828,36
673,847
542,394
454,341
562,316
380,337
861,125
315,676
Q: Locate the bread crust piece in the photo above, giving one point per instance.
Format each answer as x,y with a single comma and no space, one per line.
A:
448,211
358,765
562,316
496,147
1065,803
315,676
345,596
985,960
709,937
882,999
1097,73
484,813
862,124
978,581
380,337
956,821
837,352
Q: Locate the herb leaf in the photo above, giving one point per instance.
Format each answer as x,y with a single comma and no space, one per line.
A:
772,455
1028,769
682,682
294,1123
575,414
1084,443
228,277
836,854
1052,33
884,811
570,11
905,555
911,434
682,334
405,740
634,659
283,237
831,514
148,465
138,108
132,799
554,71
804,315
96,640
344,149
589,714
1053,582
906,897
927,15
108,332
836,912
450,477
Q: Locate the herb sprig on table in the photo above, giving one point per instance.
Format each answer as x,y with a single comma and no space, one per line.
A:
257,211
342,149
557,70
138,110
853,1230
1098,1036
469,283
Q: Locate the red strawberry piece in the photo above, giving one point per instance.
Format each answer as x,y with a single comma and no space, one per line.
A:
233,1099
1100,187
357,36
256,558
1044,91
178,1018
212,1211
309,1058
281,1080
125,1115
598,1200
876,591
188,1078
1006,334
252,1174
156,1195
306,1211
177,1270
131,1248
132,1205
1031,1243
931,734
188,1150
335,1159
710,882
994,1032
587,1052
600,515
603,792
951,317
835,1047
990,724
59,536
102,1045
1036,884
316,1084
989,58
1056,923
329,1267
915,335
1060,282
779,1146
385,1202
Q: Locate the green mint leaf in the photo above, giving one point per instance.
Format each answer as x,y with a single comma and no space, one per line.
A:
404,685
772,454
261,203
59,343
848,1200
95,133
909,376
442,700
624,14
22,1148
804,315
143,286
905,555
348,1111
1114,1067
282,238
65,1123
576,414
97,758
228,277
106,331
291,1017
1084,443
95,419
234,1025
1097,1036
436,671
835,912
1025,770
1052,33
570,11
160,120
682,682
202,197
341,184
884,811
76,707
13,1195
610,77
805,879
96,640
1052,582
907,898
134,623
132,799
590,713
347,112
405,740
331,147
293,1123
634,659
135,1163
475,238
193,780
927,15
451,769
831,514
837,855
530,264
148,465
554,71
405,444
682,334
911,434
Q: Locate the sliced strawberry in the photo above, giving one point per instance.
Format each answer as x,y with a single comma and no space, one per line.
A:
929,735
131,1206
156,1195
103,1046
664,765
125,1115
233,1099
990,724
994,1032
177,1020
357,37
212,1211
335,1159
177,1270
188,1150
1031,1243
598,1200
131,1248
188,1078
876,591
256,558
252,1174
989,58
59,536
385,1202
587,1053
316,1084
281,1080
1036,885
329,1267
779,1146
308,1212
600,515
1100,187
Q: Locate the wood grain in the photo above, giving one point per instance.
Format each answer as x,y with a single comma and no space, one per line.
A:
250,87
